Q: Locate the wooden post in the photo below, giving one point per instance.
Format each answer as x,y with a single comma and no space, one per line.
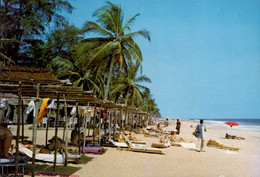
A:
47,128
85,128
35,128
114,123
79,124
89,108
56,131
66,131
133,121
125,117
121,119
18,127
22,122
109,122
94,126
99,127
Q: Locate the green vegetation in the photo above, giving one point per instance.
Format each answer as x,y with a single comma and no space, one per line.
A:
109,63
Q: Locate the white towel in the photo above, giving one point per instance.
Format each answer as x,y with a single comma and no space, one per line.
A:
31,106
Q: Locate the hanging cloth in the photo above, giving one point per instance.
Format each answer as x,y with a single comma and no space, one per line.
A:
3,104
44,110
31,107
73,112
51,104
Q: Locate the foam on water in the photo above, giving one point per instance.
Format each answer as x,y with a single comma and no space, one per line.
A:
244,124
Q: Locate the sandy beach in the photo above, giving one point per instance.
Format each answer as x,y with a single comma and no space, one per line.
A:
176,161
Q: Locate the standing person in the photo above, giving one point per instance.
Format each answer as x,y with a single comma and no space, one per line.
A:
178,127
166,123
201,135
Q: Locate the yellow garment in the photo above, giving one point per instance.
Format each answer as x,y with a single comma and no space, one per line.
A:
43,110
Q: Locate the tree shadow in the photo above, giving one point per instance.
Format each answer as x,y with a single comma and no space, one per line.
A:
49,168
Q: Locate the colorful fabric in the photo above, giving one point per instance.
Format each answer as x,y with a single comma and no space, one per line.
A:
43,110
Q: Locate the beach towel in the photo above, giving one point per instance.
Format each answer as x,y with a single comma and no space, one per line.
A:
46,157
188,145
118,144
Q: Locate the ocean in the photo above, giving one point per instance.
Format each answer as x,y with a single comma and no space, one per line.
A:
244,124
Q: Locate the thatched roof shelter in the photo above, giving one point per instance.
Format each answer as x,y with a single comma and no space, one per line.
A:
28,75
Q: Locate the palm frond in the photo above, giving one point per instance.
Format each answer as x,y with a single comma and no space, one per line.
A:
94,27
128,23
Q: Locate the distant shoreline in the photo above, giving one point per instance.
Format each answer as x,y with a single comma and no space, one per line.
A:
244,124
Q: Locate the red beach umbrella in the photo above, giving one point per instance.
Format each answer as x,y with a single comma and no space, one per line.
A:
232,124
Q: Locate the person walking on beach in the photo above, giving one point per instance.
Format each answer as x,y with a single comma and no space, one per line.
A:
201,128
166,123
178,127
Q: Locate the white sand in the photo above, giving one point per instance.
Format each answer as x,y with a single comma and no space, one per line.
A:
177,161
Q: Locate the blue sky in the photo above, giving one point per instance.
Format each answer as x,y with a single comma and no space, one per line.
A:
203,58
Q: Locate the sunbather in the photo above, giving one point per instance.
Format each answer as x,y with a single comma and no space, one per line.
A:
129,135
75,136
173,138
6,140
233,137
159,128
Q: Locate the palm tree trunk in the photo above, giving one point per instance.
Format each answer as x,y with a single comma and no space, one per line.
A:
109,78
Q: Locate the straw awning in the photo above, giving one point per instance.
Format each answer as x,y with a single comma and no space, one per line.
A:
28,75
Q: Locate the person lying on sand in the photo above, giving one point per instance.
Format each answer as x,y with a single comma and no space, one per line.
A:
130,136
172,138
233,137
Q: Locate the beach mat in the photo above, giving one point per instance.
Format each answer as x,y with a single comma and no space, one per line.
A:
92,150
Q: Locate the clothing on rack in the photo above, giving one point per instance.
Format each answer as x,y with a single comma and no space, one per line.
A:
43,111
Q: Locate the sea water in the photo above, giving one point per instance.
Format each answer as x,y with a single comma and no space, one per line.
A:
244,124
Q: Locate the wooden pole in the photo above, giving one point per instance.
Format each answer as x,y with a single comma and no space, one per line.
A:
66,131
122,124
79,124
22,122
133,123
114,124
88,125
126,117
99,127
94,126
56,131
109,122
35,128
18,127
85,128
47,128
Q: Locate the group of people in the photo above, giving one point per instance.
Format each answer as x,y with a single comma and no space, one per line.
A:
178,125
200,129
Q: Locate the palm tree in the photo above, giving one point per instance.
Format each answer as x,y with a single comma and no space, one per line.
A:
89,79
128,85
113,44
148,104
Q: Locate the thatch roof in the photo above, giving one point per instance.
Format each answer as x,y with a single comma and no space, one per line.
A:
28,75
